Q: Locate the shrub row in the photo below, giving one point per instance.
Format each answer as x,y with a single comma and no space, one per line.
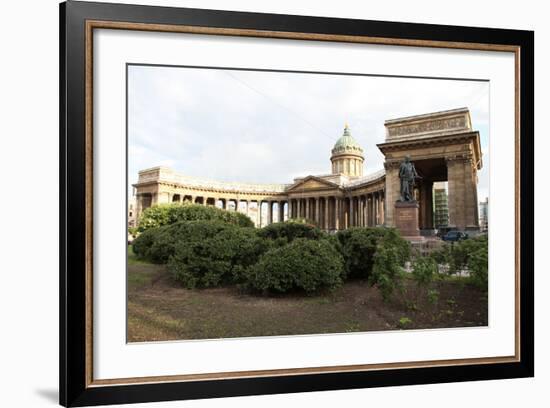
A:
215,259
360,245
308,265
166,214
471,255
282,257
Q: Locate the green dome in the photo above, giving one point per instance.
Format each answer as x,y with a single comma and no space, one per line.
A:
346,143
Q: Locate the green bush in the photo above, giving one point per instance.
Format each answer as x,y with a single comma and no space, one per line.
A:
471,255
157,245
185,233
166,214
424,270
387,270
143,243
359,246
303,264
288,231
217,254
404,322
442,256
463,252
433,296
478,265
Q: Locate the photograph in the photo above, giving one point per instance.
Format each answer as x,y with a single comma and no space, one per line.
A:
282,203
257,203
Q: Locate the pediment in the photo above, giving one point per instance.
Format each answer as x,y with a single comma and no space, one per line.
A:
312,183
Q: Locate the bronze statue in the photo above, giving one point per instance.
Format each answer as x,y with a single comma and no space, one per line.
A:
407,176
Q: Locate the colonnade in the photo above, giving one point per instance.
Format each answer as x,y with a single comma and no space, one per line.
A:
262,211
340,212
327,212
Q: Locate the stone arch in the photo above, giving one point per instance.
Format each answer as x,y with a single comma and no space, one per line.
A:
443,147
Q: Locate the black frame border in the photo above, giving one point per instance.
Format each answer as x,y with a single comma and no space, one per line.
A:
72,175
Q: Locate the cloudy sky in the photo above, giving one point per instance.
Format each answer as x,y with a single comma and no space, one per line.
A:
248,126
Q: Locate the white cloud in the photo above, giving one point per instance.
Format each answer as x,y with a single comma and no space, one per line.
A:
271,127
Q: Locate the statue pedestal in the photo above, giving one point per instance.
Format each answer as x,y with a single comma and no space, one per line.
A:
406,220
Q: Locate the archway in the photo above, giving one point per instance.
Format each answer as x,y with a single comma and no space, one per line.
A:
444,147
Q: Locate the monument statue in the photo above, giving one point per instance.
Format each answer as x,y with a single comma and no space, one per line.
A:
407,176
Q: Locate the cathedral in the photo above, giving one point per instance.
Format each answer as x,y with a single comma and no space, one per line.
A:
442,145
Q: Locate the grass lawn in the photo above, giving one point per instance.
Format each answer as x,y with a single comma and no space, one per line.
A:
160,309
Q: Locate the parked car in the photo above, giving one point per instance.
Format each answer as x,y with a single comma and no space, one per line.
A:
442,230
454,235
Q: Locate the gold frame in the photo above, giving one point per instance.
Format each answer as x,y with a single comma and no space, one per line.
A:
99,24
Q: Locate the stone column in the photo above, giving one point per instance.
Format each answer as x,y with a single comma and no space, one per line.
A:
462,177
369,212
382,210
325,214
299,208
376,199
259,213
331,210
139,206
336,213
351,214
289,209
359,206
392,190
360,211
476,199
373,211
308,209
364,212
269,212
317,208
472,204
281,206
344,213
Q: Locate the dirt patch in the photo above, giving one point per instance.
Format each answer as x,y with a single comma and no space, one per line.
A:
160,309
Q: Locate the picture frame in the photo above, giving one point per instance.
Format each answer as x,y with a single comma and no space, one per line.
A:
78,385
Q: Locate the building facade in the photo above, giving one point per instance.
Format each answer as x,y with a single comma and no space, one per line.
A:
484,215
442,145
441,206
